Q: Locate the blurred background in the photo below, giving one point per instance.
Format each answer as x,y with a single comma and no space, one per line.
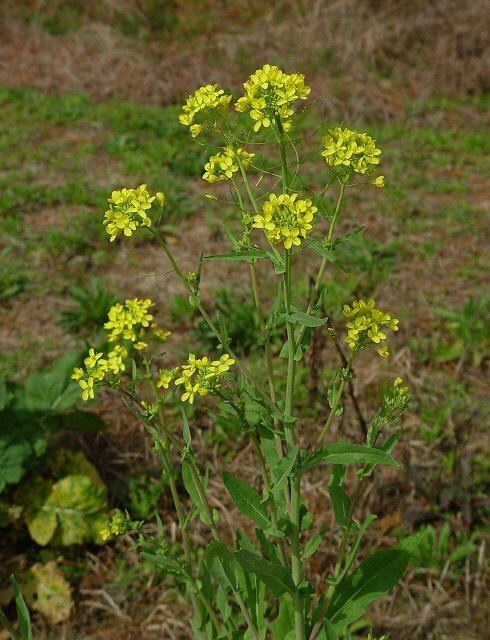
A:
90,92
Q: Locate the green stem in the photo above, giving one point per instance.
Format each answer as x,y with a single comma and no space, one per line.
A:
326,427
296,562
246,372
178,506
340,561
284,162
207,508
323,265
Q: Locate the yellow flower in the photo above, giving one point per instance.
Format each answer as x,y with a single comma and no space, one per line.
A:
201,376
223,166
128,321
203,107
350,151
270,94
379,182
127,211
87,388
96,369
165,377
286,219
366,324
116,359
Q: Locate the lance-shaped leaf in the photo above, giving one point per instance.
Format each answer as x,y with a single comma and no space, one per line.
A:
222,565
282,471
338,494
370,581
343,453
192,489
275,576
245,254
247,500
298,317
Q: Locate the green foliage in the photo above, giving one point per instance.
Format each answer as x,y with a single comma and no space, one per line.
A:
468,330
241,322
90,306
23,616
436,550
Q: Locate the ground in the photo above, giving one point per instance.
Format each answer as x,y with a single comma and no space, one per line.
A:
422,256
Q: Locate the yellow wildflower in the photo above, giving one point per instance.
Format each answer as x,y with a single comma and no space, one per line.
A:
270,94
165,377
128,321
223,166
127,211
202,376
96,369
350,151
203,107
379,182
286,219
366,324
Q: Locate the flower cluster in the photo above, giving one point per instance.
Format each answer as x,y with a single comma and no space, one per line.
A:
130,321
97,368
120,524
286,219
127,211
270,93
128,325
204,103
165,377
351,151
202,376
366,325
223,166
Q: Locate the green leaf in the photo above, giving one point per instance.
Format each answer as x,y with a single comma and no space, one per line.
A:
13,455
222,565
312,545
3,394
349,236
282,472
343,453
23,616
338,495
186,428
53,390
245,254
372,580
193,491
355,547
73,510
298,317
284,627
247,500
275,576
328,254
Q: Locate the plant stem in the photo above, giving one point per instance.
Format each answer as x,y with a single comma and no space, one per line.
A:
207,507
331,415
296,563
340,561
246,372
323,265
178,505
284,162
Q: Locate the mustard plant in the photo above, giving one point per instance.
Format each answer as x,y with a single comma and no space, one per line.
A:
258,586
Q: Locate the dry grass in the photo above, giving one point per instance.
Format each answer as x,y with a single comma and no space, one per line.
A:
363,57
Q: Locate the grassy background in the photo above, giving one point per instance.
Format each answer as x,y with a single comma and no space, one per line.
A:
89,103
